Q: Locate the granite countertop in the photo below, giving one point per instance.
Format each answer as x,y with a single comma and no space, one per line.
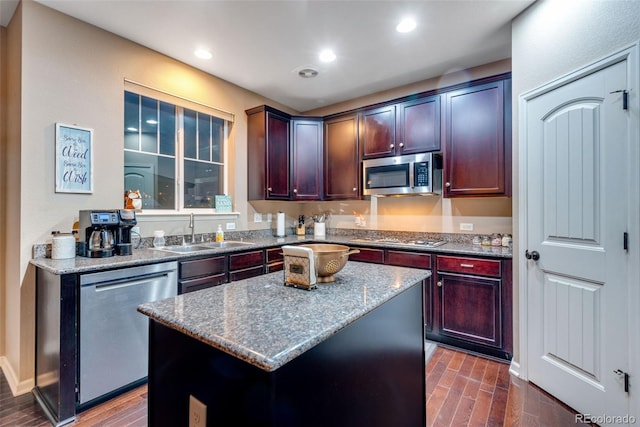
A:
148,255
267,324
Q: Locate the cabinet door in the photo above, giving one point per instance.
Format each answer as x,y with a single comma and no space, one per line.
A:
306,159
378,132
186,286
418,126
277,149
267,154
470,309
368,255
475,141
341,158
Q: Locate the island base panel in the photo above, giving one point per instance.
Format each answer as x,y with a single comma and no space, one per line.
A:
370,373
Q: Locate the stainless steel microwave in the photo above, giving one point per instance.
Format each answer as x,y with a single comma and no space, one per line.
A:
402,175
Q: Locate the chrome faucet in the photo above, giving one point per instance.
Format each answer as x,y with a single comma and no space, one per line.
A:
192,226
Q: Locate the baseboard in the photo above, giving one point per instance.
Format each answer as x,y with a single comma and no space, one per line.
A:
17,387
514,369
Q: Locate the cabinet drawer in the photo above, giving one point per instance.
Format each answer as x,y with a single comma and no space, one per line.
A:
192,285
202,267
276,266
246,259
246,273
409,259
274,255
476,266
368,255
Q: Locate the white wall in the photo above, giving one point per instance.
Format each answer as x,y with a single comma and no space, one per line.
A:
551,39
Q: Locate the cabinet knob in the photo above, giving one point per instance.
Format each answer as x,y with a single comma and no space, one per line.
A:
355,189
269,189
401,144
447,184
439,283
391,146
295,190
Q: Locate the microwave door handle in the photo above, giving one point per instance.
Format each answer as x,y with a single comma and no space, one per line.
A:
411,177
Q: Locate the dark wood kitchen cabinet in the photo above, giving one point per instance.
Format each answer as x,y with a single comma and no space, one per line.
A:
472,304
246,264
378,132
306,158
341,158
268,145
409,127
477,140
418,125
203,273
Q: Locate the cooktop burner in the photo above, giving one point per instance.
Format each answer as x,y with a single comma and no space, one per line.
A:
393,241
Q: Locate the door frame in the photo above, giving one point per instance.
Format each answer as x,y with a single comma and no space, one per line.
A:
631,54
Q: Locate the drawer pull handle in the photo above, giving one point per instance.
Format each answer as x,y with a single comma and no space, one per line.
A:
466,265
439,283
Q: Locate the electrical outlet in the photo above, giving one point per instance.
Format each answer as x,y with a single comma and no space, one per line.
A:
197,413
465,226
231,226
257,217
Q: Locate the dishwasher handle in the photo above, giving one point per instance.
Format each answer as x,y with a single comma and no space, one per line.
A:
127,281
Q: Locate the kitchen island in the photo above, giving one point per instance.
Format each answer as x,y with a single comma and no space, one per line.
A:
256,352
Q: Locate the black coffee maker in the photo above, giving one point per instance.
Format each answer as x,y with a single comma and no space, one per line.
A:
127,220
98,229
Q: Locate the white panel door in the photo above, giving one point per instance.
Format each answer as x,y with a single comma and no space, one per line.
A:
577,214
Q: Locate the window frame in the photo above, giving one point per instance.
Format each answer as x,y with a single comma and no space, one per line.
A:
180,105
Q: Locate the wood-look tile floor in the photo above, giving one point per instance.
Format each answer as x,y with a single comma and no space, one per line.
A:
462,390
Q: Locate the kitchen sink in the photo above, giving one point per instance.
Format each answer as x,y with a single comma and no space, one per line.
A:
226,244
183,248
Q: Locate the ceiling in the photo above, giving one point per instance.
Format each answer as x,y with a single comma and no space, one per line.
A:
261,45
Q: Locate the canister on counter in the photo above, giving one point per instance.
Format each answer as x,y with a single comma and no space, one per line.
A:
506,240
496,239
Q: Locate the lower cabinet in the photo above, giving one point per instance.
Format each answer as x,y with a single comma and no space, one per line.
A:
472,304
467,300
197,274
245,265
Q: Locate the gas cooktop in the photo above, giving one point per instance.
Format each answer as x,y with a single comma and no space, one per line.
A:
392,241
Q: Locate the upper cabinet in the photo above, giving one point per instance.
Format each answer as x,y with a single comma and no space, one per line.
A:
378,132
418,125
477,140
406,128
341,158
306,159
284,156
268,146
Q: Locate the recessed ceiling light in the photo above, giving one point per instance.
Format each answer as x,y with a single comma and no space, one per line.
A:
203,54
152,122
327,55
406,25
132,129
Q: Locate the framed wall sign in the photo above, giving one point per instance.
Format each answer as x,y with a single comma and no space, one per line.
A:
74,159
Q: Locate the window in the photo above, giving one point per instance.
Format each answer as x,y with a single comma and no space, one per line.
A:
173,155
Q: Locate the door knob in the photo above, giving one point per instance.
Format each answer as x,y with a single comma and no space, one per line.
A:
534,255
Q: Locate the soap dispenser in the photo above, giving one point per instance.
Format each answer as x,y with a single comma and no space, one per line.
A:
219,234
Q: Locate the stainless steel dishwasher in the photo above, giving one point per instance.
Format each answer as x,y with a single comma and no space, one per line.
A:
114,336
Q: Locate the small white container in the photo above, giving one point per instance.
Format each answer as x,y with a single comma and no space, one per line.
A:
63,246
319,229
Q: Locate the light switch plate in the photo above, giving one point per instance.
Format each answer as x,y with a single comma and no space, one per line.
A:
257,217
465,226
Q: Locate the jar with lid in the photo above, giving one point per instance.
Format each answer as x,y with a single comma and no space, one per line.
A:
476,240
158,238
506,240
486,241
496,239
